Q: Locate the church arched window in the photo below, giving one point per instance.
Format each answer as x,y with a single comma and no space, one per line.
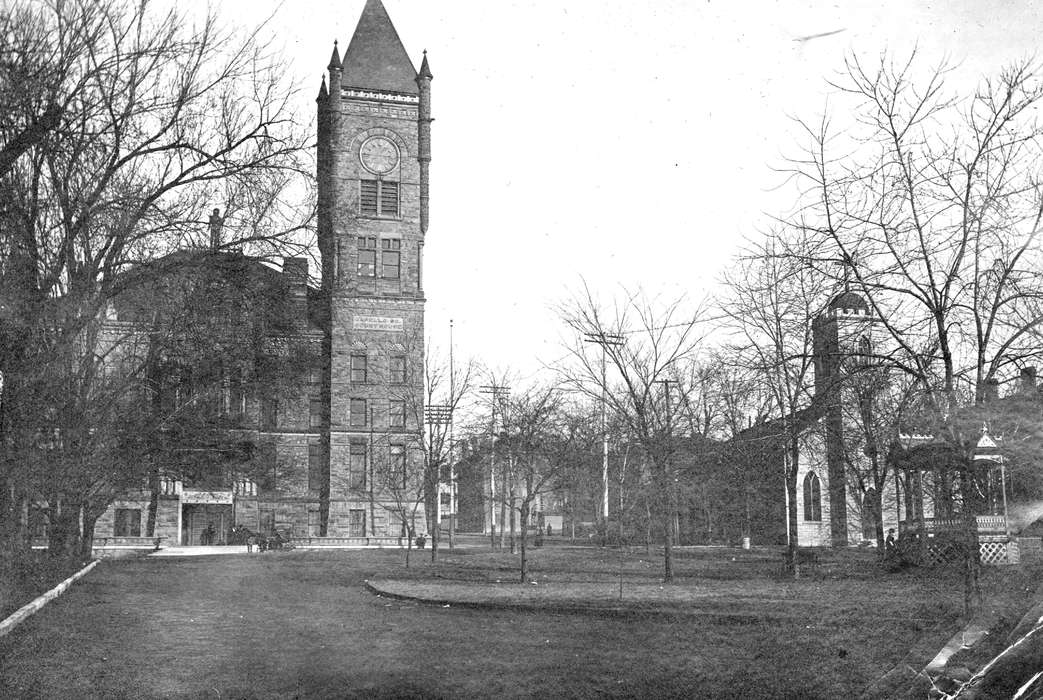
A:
812,497
865,349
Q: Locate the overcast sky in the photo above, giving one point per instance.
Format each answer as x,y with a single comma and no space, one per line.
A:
621,142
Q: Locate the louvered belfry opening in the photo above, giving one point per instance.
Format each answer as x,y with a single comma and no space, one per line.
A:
379,198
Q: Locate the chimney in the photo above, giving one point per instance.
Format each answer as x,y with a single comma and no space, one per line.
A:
216,222
296,272
1028,379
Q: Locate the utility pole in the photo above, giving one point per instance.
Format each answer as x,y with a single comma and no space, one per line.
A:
452,463
499,394
435,416
604,340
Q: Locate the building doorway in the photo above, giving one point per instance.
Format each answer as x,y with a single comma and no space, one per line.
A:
206,524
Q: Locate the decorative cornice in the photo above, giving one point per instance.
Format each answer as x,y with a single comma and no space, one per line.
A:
380,96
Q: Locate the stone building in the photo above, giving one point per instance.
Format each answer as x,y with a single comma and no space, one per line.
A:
330,450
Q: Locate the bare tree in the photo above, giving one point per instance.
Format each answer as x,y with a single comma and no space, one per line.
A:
539,449
649,381
932,202
446,389
772,300
140,124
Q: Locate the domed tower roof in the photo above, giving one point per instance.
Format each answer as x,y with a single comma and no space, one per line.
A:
849,300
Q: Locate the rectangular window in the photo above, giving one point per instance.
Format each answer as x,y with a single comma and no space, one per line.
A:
390,257
356,523
314,523
398,369
358,369
357,466
315,469
367,266
315,413
397,466
269,414
238,408
127,523
38,520
267,520
357,417
397,417
378,198
267,464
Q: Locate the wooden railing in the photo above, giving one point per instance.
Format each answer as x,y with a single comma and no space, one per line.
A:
987,524
349,541
135,542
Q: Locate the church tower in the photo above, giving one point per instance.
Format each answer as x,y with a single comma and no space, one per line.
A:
374,148
845,332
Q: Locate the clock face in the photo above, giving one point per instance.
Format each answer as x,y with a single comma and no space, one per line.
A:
379,155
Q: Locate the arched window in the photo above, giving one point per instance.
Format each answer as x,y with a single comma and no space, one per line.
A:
865,350
812,497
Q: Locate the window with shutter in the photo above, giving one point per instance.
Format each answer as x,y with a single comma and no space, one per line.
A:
378,198
368,198
388,198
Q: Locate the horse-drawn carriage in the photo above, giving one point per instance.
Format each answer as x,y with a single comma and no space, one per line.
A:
264,541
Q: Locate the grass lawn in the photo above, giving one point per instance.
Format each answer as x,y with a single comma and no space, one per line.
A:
26,575
301,624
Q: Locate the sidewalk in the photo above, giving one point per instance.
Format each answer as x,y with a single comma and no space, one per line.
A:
199,550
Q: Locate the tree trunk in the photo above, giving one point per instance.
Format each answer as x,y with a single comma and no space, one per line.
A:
514,525
503,514
878,507
524,519
972,596
63,534
90,519
433,526
648,526
668,548
153,503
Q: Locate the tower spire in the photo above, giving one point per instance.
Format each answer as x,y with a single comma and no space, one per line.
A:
375,59
335,62
424,119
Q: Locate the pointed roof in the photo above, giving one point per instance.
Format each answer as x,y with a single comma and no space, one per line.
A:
425,69
323,93
334,58
375,58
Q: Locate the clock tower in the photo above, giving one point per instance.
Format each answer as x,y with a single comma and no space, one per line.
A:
374,149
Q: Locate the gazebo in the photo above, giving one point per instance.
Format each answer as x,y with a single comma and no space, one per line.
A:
935,527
